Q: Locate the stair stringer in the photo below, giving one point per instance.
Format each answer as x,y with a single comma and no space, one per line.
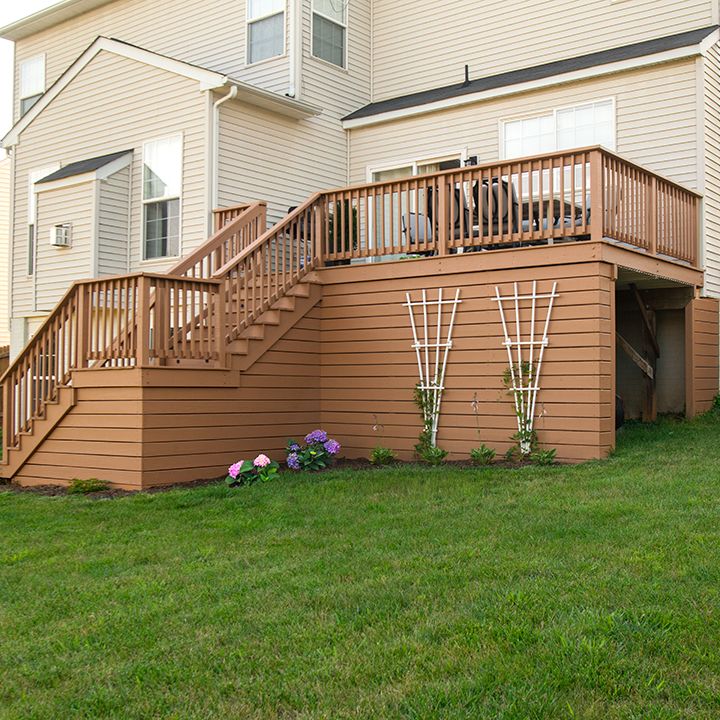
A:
247,350
55,411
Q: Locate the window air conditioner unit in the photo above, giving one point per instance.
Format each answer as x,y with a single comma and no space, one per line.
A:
61,235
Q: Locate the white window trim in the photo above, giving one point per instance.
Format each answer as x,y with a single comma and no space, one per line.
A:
343,24
37,173
42,56
462,153
143,202
554,112
249,22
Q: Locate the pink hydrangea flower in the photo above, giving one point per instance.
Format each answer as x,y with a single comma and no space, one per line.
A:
234,470
262,461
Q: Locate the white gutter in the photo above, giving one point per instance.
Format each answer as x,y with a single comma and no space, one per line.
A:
215,144
296,51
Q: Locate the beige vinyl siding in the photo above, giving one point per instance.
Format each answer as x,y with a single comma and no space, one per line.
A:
5,175
421,45
57,267
210,33
656,123
113,216
712,170
115,104
264,156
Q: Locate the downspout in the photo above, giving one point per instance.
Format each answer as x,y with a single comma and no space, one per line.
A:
295,57
215,146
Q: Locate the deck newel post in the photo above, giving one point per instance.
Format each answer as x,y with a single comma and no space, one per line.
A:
84,310
443,191
220,324
143,321
597,194
319,216
652,215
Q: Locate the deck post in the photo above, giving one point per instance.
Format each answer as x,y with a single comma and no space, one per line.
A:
219,326
443,191
597,193
319,216
652,215
143,321
84,311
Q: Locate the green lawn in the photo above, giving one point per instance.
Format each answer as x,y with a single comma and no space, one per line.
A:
563,592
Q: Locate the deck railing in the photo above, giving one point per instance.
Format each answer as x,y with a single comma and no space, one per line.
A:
577,194
136,320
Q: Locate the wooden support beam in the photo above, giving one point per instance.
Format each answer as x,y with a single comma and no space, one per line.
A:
647,321
635,356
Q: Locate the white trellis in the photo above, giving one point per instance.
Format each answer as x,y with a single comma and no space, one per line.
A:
432,354
525,356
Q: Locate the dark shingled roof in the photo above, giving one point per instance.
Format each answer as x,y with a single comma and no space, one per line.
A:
538,72
83,166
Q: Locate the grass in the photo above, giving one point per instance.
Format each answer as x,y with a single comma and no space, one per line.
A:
559,592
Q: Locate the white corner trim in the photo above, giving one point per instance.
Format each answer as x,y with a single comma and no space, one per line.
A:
711,39
101,173
518,88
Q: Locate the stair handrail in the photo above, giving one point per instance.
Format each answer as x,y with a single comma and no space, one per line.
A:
251,217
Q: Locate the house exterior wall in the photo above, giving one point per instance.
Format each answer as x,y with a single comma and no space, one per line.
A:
57,267
422,45
114,104
702,322
209,33
113,224
710,107
265,156
5,231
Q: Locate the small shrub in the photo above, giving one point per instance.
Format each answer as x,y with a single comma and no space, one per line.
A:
84,487
318,452
716,403
382,456
245,472
511,454
432,455
482,455
543,457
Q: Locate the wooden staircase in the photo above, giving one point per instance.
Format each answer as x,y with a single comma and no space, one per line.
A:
223,306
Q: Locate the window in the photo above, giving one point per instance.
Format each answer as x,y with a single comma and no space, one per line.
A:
162,182
32,82
265,29
579,126
329,30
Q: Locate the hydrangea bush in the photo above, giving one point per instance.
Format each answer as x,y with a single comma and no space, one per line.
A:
317,453
245,472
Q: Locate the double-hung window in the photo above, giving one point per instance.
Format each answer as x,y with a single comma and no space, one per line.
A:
32,82
571,127
329,31
265,29
162,184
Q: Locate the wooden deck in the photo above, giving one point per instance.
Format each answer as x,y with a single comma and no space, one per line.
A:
261,335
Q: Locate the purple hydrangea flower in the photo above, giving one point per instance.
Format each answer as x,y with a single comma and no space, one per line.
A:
293,461
332,446
316,437
294,448
234,469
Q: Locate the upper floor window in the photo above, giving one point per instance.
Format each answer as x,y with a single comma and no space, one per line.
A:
571,127
162,185
329,31
32,82
265,29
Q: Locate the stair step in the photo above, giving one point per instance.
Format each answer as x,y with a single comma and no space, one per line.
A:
254,332
269,317
300,290
286,303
